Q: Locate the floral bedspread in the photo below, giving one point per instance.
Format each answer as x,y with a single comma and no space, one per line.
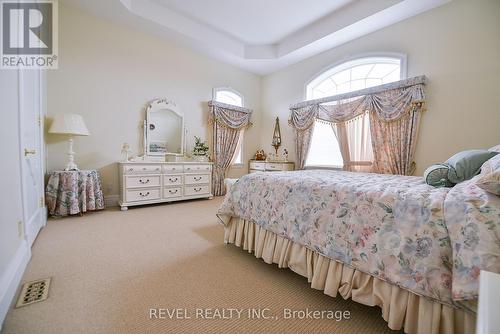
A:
473,221
391,226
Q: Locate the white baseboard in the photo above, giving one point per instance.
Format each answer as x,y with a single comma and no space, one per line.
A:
111,200
11,277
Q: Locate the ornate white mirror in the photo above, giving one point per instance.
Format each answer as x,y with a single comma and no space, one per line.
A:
164,129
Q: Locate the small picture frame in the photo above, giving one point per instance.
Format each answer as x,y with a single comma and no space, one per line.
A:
157,147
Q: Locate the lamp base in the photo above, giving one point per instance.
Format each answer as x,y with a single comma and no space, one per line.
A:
70,166
71,156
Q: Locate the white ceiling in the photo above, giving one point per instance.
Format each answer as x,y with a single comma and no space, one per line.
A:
255,21
260,36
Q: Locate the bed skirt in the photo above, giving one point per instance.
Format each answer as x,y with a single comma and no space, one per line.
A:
401,308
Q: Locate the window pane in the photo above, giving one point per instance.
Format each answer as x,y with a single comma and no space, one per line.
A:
342,77
347,77
361,72
358,84
230,97
381,70
393,76
373,82
326,88
324,149
226,96
237,159
344,88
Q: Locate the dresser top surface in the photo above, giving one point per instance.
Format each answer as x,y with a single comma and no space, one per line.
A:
164,163
272,162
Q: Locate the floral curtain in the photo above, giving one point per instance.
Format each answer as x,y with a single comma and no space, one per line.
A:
394,113
228,123
303,133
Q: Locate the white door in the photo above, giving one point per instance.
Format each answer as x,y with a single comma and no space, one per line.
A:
31,115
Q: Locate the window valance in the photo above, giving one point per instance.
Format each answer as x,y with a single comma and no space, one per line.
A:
230,116
387,102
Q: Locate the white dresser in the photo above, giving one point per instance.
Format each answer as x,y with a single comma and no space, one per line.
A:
266,166
156,182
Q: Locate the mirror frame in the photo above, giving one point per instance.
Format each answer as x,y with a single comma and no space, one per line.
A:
155,106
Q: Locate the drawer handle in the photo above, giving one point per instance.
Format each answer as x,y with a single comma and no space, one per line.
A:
173,180
157,169
144,168
143,182
197,189
197,178
173,191
130,169
144,194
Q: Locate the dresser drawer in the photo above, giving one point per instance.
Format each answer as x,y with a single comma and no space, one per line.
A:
197,179
172,169
257,165
142,169
172,192
196,190
274,166
135,195
172,180
197,168
142,181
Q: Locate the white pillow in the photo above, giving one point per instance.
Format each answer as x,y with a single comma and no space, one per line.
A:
489,179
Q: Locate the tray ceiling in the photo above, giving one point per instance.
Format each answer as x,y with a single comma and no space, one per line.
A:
260,36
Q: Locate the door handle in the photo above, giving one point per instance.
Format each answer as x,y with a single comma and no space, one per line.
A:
27,152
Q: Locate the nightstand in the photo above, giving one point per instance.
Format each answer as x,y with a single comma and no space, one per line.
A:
267,166
73,192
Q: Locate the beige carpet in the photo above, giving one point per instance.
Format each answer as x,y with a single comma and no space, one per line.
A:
109,268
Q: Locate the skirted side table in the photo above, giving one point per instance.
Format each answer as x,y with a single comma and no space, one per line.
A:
73,192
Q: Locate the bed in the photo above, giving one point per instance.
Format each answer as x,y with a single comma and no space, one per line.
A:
388,240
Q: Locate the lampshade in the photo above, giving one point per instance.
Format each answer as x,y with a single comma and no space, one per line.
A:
71,124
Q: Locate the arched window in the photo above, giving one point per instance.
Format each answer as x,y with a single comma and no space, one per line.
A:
346,77
230,96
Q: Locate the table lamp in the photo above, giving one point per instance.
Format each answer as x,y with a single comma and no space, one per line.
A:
71,125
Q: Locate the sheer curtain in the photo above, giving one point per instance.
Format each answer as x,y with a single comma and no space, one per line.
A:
355,143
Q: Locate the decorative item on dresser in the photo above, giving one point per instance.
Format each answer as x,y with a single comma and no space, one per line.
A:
276,143
156,182
200,150
268,166
73,192
260,155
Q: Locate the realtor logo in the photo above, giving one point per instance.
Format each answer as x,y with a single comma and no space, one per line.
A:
29,34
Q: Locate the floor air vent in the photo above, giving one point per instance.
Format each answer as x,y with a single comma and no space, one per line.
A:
33,292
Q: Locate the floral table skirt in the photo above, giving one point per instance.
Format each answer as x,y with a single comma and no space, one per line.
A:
73,192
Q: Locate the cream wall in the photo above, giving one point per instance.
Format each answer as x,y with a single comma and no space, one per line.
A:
457,46
108,72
